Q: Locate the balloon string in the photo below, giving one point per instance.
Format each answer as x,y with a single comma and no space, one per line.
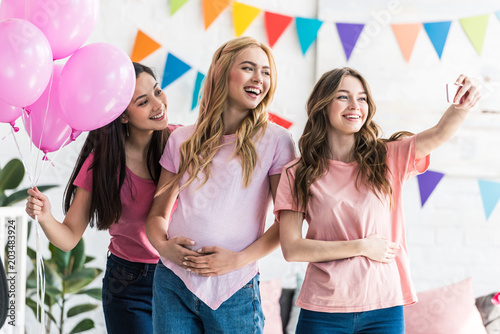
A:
22,158
51,162
40,280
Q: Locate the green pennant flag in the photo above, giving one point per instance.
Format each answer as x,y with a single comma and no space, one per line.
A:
475,28
175,5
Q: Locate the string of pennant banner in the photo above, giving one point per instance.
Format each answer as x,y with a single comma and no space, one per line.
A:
307,30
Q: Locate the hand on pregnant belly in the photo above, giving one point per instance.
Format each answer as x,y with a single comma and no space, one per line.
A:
213,261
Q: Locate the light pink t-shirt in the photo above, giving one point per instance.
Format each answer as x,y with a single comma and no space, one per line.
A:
128,236
338,211
223,213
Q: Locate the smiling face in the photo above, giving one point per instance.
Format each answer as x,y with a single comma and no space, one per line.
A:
249,79
147,110
348,110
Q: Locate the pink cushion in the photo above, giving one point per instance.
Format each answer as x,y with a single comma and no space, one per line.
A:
446,310
270,292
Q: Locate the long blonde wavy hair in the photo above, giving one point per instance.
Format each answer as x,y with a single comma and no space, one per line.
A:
198,151
369,150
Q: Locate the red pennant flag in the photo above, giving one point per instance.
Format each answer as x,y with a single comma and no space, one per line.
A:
280,121
275,26
143,47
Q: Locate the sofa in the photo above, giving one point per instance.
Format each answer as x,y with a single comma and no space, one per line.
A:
451,309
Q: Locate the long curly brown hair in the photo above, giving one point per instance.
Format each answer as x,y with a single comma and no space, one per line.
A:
369,150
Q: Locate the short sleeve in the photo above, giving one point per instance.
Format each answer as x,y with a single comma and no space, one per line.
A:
84,177
284,195
401,158
283,153
170,153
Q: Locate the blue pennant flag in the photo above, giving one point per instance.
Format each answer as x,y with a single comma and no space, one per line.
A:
498,14
174,69
438,33
197,87
490,194
427,182
307,30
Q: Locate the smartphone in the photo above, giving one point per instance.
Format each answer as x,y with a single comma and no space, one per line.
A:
451,92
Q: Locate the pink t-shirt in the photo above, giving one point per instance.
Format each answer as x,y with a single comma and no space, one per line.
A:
222,212
338,211
128,236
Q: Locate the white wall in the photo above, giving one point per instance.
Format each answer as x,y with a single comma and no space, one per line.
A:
449,239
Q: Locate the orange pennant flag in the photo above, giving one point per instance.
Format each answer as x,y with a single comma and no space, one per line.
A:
143,47
243,16
212,9
406,35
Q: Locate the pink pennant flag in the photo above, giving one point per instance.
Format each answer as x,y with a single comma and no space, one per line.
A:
406,35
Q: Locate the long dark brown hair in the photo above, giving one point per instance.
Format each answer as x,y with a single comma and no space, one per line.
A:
108,167
369,150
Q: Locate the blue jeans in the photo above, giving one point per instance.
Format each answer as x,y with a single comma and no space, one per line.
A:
127,293
177,310
382,321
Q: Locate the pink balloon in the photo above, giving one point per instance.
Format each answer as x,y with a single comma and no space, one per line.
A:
66,23
96,86
12,9
9,113
25,60
43,119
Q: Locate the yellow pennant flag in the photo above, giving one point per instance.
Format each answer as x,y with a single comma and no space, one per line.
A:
475,28
212,9
243,16
406,35
143,47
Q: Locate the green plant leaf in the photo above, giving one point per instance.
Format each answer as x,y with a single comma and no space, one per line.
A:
21,195
32,305
89,258
95,293
11,175
83,326
31,253
81,309
77,254
60,259
81,279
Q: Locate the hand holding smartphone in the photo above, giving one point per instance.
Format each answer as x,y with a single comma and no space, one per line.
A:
451,92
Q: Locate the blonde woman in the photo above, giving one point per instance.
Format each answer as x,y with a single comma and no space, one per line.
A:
348,186
224,170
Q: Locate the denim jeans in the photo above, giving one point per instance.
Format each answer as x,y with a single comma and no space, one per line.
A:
127,293
382,321
176,310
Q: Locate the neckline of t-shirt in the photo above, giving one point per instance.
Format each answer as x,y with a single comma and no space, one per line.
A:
137,176
341,163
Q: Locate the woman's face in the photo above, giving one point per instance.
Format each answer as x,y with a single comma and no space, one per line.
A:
148,108
249,79
348,110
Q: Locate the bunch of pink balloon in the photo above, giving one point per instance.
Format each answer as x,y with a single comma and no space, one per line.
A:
59,101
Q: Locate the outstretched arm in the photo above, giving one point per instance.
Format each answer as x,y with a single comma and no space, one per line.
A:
298,249
64,236
452,119
174,249
218,260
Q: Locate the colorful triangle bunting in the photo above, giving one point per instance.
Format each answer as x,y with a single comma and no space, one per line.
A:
490,194
174,68
175,5
349,34
143,47
197,87
307,30
438,32
243,16
212,9
475,28
275,26
427,182
406,35
280,121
